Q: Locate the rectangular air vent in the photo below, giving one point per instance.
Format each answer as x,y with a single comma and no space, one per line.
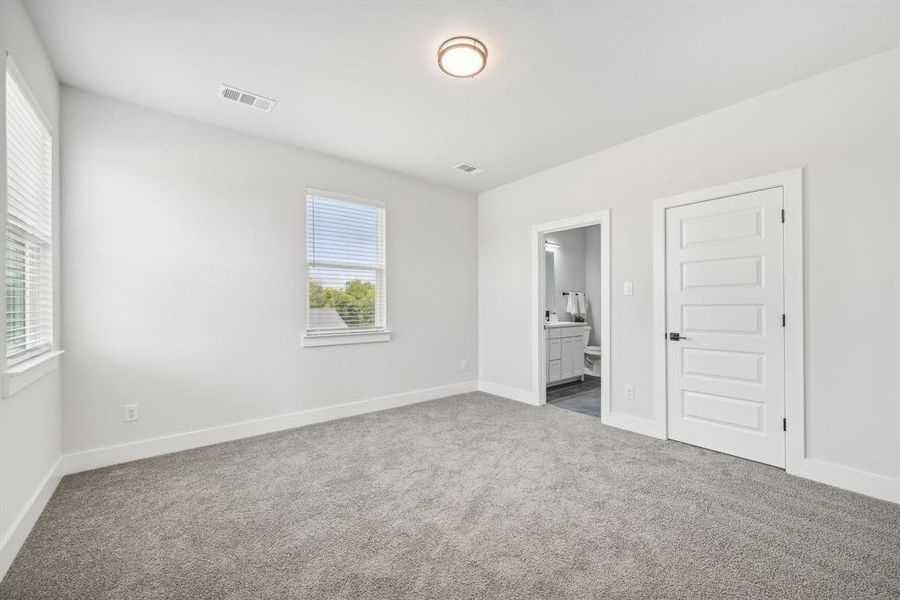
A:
256,101
468,169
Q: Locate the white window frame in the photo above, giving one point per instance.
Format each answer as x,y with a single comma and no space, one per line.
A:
361,336
20,374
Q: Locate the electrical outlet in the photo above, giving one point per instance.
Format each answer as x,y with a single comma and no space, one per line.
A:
130,413
629,288
629,391
464,366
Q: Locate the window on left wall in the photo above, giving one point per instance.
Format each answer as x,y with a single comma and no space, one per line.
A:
29,225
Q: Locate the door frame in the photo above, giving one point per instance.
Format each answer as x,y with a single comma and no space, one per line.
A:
791,182
538,291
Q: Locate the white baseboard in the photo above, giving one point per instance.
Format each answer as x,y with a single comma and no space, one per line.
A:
112,455
848,478
21,526
506,391
647,427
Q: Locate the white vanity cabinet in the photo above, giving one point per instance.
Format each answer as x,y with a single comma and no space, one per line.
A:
564,347
554,358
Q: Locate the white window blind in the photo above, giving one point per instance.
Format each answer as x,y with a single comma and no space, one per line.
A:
345,264
29,227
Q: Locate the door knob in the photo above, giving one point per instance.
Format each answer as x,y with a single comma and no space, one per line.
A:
676,337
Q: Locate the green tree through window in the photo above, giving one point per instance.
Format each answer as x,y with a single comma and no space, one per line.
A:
355,303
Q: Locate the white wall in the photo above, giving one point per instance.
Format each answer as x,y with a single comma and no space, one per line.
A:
843,127
183,266
568,267
593,269
30,420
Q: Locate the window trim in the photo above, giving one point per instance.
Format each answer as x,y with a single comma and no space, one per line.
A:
28,368
22,82
312,339
341,339
23,374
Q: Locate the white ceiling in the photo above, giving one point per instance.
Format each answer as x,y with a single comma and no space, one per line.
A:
359,79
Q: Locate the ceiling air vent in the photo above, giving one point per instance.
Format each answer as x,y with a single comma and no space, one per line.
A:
253,100
468,169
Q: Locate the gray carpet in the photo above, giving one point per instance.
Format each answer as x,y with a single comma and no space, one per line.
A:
466,497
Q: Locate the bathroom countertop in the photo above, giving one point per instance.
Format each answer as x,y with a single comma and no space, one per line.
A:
564,324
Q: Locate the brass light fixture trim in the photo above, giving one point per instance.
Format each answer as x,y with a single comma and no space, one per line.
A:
462,57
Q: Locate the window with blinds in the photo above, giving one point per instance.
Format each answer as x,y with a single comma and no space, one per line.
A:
345,264
29,227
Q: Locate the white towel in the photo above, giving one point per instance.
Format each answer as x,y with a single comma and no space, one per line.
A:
582,302
571,303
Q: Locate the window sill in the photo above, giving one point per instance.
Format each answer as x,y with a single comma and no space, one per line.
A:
23,374
338,339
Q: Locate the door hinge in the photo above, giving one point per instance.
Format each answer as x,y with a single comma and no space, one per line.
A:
784,424
782,215
783,320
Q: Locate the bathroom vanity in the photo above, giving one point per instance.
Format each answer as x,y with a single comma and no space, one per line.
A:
564,348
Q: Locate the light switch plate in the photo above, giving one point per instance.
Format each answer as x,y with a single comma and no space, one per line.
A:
629,288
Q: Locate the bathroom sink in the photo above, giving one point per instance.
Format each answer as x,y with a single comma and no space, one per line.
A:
564,324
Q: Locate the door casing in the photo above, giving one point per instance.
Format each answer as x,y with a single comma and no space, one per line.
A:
792,184
538,355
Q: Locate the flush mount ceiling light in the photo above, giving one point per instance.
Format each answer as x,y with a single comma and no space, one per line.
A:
462,57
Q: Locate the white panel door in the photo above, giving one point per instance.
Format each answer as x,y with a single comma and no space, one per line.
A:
724,305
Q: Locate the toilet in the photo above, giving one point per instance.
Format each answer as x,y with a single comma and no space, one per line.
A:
592,355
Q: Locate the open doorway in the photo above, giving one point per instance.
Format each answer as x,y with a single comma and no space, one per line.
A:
572,306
